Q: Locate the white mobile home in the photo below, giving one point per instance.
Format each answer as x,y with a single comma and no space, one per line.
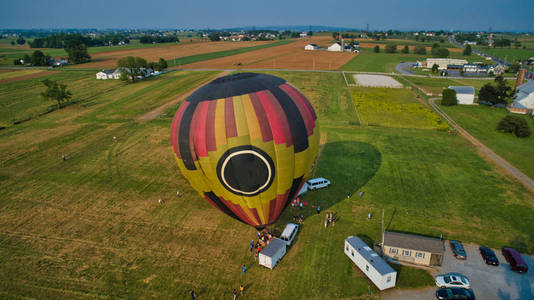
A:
464,94
272,253
372,265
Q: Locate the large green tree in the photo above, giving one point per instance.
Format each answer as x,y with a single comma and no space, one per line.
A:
55,91
391,48
21,40
419,50
77,52
449,97
467,50
131,67
162,64
38,58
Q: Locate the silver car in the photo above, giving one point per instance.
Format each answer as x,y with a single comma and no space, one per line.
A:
452,280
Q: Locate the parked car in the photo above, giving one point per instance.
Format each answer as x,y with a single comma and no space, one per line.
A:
452,280
455,293
516,261
458,250
489,256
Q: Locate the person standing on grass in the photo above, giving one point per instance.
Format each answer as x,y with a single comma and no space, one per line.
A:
318,209
251,245
64,157
193,296
235,293
244,270
241,289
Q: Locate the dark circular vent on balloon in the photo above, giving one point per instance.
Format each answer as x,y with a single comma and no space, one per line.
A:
245,170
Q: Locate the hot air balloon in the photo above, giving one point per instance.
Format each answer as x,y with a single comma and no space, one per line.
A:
247,143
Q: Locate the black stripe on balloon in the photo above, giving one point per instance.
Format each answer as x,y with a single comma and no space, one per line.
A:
293,191
221,206
294,119
184,136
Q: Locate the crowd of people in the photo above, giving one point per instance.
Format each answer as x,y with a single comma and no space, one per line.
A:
330,219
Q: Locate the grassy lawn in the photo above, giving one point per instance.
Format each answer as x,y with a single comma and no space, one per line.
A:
394,108
508,54
91,226
436,85
481,121
17,73
213,55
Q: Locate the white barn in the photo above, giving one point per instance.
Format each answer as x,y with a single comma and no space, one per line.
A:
524,99
310,47
335,47
372,265
464,94
272,253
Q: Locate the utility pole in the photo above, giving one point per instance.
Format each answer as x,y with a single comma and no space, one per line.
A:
382,228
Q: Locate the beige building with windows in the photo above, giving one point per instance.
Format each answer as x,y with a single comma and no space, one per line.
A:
413,248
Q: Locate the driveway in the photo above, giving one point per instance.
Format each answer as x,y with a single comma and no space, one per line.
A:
404,67
488,282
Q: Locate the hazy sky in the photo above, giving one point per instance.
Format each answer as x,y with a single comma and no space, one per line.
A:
379,14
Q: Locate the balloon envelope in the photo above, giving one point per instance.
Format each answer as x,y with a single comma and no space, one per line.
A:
247,143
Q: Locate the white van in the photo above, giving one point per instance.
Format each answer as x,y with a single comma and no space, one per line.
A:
289,233
317,183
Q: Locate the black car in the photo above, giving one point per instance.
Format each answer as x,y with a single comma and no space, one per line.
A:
489,256
455,293
458,250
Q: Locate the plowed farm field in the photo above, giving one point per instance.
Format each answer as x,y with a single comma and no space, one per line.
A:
290,56
109,59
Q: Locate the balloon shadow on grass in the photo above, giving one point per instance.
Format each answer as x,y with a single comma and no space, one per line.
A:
349,165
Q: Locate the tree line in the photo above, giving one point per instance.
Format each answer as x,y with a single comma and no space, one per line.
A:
148,39
60,40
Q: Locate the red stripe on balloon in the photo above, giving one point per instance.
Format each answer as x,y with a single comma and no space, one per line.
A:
211,144
272,117
281,117
229,118
303,99
199,129
304,111
238,211
262,117
277,205
176,128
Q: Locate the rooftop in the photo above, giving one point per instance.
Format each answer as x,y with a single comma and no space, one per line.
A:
369,255
527,88
463,89
413,242
273,247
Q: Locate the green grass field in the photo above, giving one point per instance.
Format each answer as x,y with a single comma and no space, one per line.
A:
481,121
508,54
436,85
91,226
394,108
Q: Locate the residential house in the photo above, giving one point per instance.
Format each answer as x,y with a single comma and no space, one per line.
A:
413,248
524,99
335,47
444,62
105,74
303,34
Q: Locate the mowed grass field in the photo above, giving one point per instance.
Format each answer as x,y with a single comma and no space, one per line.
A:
509,54
92,227
436,85
481,121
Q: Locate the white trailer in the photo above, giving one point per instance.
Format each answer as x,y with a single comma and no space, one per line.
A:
272,253
372,265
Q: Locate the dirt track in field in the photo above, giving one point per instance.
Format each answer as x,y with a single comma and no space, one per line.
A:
109,59
290,56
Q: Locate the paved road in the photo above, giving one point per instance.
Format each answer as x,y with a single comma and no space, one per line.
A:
520,176
401,68
487,282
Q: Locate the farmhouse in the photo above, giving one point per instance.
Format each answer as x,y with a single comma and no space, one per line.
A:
524,100
413,248
105,74
335,47
464,94
310,47
372,265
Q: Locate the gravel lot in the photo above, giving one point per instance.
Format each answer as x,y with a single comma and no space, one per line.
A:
488,282
376,81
